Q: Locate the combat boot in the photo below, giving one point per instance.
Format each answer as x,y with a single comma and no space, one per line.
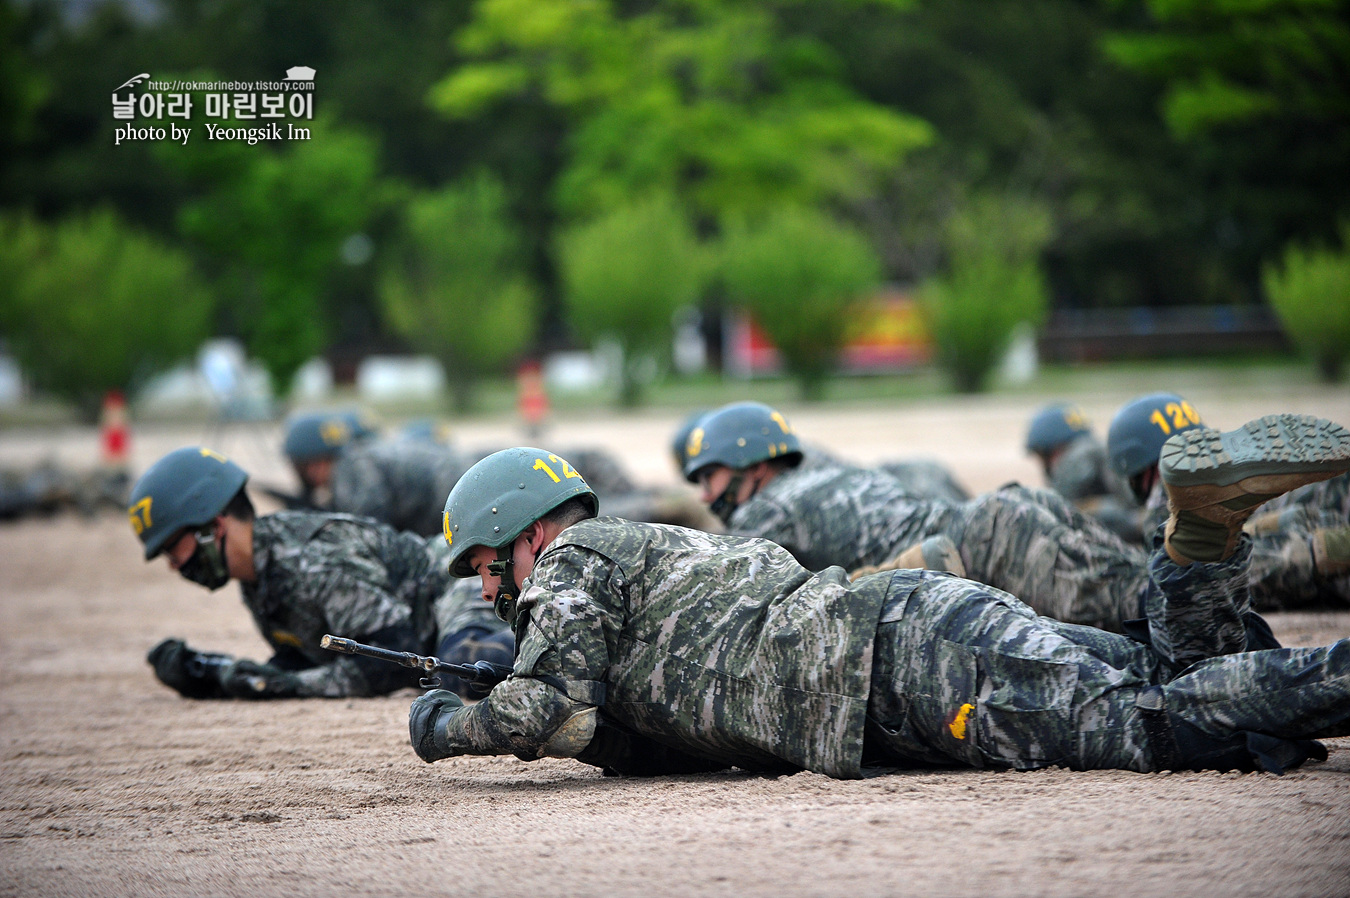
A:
1215,480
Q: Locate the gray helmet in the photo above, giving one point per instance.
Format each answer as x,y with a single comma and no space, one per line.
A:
312,435
680,440
503,494
740,435
1140,428
186,488
1054,425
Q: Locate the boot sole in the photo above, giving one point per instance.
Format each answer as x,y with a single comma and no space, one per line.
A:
1270,455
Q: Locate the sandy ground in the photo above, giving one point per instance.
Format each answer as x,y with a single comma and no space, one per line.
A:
113,785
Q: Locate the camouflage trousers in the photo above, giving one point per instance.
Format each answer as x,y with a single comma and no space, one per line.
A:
1064,564
968,674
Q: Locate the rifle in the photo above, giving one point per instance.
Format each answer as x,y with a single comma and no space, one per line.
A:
483,674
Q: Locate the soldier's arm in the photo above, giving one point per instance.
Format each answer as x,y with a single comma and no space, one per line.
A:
347,591
548,708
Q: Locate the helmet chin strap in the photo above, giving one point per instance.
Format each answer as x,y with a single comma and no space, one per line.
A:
504,569
725,505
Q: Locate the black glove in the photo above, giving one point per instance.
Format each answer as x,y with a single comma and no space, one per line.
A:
426,713
249,679
192,674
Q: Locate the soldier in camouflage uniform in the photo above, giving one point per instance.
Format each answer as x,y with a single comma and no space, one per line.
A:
303,575
921,478
1301,541
399,481
403,481
1075,466
1031,543
648,649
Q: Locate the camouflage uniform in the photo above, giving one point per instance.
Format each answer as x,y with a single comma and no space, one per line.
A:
323,573
1080,473
726,652
927,479
1031,543
402,483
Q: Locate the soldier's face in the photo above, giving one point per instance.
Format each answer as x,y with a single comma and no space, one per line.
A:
180,549
315,473
481,556
713,481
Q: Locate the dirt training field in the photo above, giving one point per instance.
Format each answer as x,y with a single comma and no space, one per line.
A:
113,785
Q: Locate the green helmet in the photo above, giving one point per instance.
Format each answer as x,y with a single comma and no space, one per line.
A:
1054,425
680,441
1140,428
186,488
503,494
740,435
312,435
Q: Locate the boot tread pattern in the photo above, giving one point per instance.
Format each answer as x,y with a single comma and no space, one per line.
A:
1275,444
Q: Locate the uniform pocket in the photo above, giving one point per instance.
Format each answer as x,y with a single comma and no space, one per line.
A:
1025,710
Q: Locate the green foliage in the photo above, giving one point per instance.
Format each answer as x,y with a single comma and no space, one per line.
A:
800,273
273,221
710,101
993,283
1234,62
456,286
625,274
91,305
1310,291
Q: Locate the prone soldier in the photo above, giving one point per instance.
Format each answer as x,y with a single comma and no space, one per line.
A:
1075,466
648,649
303,575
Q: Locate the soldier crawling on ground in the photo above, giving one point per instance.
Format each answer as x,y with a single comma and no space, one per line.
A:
1031,543
1075,466
345,465
303,575
647,649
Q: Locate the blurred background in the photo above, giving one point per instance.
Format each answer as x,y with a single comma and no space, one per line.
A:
537,207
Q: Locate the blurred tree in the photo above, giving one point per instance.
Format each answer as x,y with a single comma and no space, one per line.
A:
800,273
94,305
456,285
273,221
1258,92
993,282
710,101
624,275
1310,290
1236,62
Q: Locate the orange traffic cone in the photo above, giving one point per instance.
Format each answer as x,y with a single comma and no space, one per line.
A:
114,433
531,397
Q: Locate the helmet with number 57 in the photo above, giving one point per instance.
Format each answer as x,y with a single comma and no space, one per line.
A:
186,488
1140,428
503,494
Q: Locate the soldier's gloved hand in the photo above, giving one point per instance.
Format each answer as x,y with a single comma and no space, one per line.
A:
190,673
426,721
249,679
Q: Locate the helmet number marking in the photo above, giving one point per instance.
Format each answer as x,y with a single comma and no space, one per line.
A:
140,515
782,422
568,470
1182,415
